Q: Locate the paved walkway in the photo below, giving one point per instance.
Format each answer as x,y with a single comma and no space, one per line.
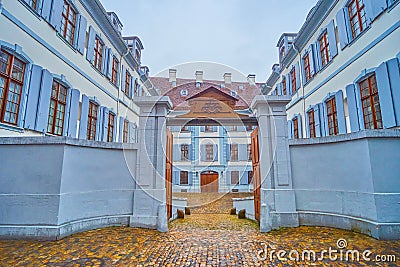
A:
198,240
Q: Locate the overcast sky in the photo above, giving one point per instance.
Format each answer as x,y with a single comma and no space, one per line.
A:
239,33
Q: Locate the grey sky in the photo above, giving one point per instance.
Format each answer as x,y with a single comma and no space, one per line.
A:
239,33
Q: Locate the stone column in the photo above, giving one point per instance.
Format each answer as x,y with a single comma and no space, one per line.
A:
149,198
278,206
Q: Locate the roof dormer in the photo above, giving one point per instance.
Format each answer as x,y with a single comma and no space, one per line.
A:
115,21
135,46
284,44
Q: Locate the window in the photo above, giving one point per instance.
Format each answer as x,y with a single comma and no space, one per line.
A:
307,67
235,177
210,129
137,54
249,153
250,177
324,49
249,128
282,51
58,102
296,128
234,152
357,15
114,71
12,72
127,83
184,152
68,23
125,132
92,121
293,80
184,178
233,94
284,89
184,92
234,128
98,54
332,116
311,122
209,152
370,103
33,4
136,88
110,134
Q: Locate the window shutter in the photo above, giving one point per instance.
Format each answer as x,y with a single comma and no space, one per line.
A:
81,34
132,85
340,112
44,101
228,152
56,14
123,78
242,152
342,21
177,153
99,123
300,122
303,70
84,118
121,129
394,75
385,96
202,152
373,8
313,67
215,150
332,39
324,119
110,60
317,119
290,129
202,129
104,63
288,84
132,133
307,124
106,113
297,69
115,132
46,9
353,106
91,44
73,113
190,178
318,59
33,97
279,89
190,152
176,177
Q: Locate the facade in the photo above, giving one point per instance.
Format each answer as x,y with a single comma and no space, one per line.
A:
66,70
341,69
219,155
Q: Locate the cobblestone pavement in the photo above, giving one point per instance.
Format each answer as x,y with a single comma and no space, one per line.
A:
197,240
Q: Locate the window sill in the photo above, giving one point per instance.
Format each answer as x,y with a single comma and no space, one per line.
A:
66,42
10,127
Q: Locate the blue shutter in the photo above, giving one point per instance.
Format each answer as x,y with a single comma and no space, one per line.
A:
176,177
317,119
318,59
243,178
176,153
324,119
81,34
308,123
385,96
342,22
104,62
297,69
33,97
66,114
228,152
121,129
353,107
202,129
340,112
190,178
332,39
242,152
44,102
300,125
191,152
56,14
99,124
303,71
279,89
290,129
313,68
106,113
91,44
110,60
215,150
132,85
73,113
394,76
123,78
373,8
84,118
288,84
202,152
46,9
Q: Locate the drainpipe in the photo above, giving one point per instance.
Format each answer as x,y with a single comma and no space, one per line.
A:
120,80
301,78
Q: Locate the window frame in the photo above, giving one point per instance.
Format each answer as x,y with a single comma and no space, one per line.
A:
111,127
209,152
234,152
127,85
363,25
184,152
307,67
125,131
92,121
98,54
373,97
293,80
232,177
65,22
57,104
114,71
250,177
296,134
184,176
284,87
311,123
332,116
324,51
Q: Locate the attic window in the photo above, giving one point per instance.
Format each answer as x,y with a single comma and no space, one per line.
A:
198,84
241,87
184,92
233,93
222,85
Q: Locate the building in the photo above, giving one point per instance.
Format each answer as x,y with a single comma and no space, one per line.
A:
66,70
341,69
213,158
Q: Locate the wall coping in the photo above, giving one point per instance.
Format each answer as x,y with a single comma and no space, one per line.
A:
67,141
365,134
243,199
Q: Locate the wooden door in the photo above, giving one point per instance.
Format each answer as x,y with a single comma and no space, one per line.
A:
209,182
168,173
255,158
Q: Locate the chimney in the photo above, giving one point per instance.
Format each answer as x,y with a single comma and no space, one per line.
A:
228,78
172,76
251,78
199,76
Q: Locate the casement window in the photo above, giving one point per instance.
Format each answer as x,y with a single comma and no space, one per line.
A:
331,114
92,121
111,127
114,71
184,178
296,128
127,84
324,49
234,177
68,23
311,123
184,152
249,152
357,16
307,67
34,4
370,103
58,103
126,131
209,152
98,54
249,177
136,88
234,148
293,81
284,87
12,72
